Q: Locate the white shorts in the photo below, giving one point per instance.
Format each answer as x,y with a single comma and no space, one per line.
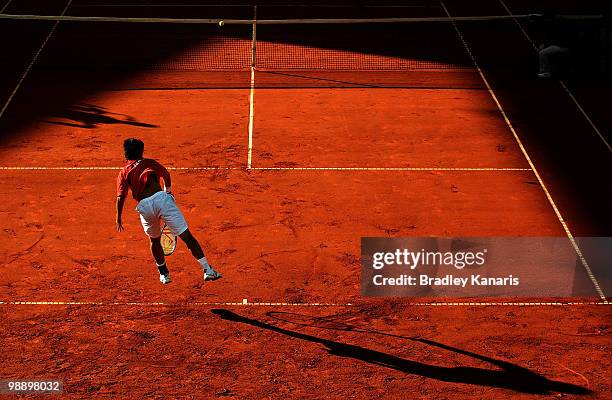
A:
160,206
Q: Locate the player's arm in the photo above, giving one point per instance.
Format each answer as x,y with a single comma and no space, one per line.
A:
122,190
118,222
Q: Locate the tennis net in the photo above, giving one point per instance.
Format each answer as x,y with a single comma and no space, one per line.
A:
393,49
377,44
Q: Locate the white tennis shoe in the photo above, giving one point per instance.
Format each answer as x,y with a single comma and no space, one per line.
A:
211,275
165,279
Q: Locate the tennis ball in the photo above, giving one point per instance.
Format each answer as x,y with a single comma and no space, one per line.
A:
221,23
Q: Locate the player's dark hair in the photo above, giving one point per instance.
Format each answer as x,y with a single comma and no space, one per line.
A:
133,149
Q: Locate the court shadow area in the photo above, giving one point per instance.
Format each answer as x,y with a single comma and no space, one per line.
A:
89,116
506,375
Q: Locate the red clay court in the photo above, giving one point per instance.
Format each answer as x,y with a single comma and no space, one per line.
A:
287,143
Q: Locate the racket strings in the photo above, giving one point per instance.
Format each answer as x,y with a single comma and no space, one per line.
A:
168,241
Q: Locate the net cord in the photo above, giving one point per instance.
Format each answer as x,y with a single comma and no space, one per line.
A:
264,21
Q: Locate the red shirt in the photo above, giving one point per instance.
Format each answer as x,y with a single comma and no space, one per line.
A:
135,175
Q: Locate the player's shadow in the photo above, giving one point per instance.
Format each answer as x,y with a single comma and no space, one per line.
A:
89,116
508,376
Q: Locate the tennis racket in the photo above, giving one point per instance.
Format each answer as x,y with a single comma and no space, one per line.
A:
168,241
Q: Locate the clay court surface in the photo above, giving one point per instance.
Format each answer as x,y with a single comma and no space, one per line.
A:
279,184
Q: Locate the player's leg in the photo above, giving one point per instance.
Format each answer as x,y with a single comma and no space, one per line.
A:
196,250
192,244
160,260
177,224
152,227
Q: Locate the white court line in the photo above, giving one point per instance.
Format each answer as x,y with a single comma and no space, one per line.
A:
387,169
586,116
562,83
34,59
399,169
252,89
246,303
251,119
585,263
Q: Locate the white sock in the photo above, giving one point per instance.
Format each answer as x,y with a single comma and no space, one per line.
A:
204,263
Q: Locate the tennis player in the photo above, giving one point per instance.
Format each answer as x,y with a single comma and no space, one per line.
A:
142,176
